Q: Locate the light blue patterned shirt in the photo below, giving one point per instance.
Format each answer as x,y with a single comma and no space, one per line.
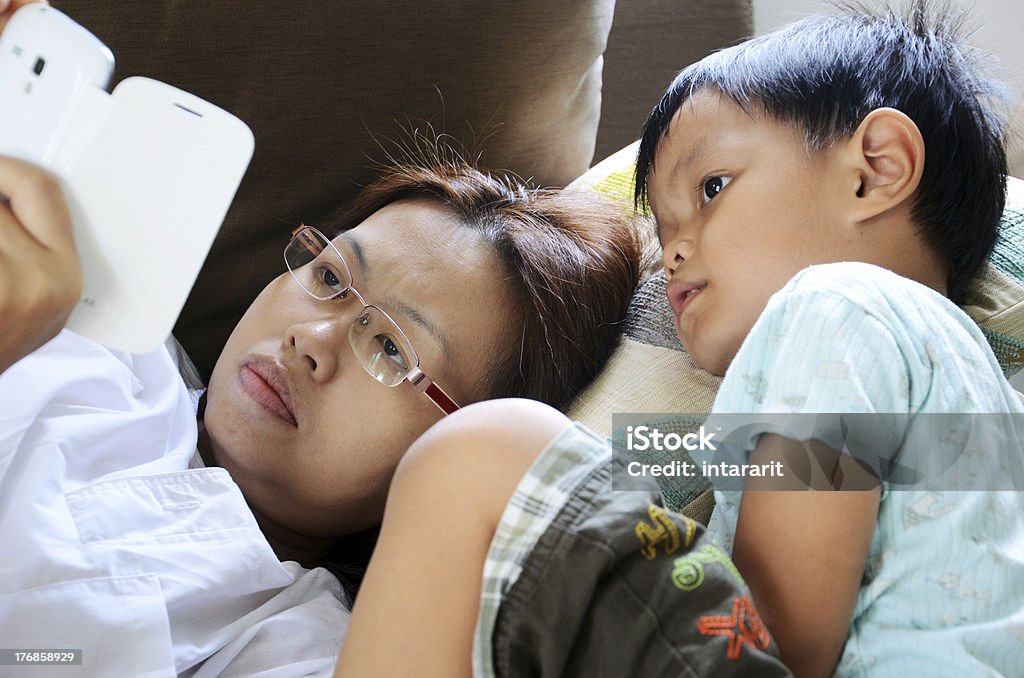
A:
943,590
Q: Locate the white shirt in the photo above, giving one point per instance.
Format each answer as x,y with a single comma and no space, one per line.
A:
110,544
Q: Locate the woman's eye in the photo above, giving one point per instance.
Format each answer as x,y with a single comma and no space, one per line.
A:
392,351
712,186
329,280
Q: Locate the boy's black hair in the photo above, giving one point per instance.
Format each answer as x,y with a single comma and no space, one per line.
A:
824,74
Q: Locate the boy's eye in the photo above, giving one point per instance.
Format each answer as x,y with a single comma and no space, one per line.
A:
712,186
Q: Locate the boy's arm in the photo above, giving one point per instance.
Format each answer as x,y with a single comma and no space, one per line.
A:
418,606
802,553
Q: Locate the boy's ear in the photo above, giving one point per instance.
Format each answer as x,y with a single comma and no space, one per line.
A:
887,155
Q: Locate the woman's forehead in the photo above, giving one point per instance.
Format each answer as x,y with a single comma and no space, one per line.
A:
417,229
416,255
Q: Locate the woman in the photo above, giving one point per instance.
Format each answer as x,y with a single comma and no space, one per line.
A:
445,279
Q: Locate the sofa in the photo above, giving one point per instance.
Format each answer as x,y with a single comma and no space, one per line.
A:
329,88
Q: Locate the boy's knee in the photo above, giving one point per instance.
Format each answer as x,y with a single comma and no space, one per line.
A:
482,450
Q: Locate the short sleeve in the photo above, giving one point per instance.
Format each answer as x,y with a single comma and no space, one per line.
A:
821,363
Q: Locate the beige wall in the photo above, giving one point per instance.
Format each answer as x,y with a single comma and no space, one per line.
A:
1000,30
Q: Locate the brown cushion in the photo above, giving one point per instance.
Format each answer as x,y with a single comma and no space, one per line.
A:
651,41
316,80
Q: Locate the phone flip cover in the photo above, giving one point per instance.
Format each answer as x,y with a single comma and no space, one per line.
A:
149,173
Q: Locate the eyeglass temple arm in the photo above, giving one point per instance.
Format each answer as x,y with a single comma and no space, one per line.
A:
425,385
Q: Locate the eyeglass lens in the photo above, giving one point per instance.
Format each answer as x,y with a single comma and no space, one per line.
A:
316,265
379,344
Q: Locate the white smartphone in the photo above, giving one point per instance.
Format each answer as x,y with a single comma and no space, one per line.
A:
148,172
47,62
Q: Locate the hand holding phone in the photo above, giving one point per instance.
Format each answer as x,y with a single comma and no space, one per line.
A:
148,172
40,277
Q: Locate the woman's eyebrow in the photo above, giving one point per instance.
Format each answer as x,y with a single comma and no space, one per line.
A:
413,314
357,249
397,304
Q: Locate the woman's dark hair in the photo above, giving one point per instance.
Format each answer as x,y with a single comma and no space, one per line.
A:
573,260
824,74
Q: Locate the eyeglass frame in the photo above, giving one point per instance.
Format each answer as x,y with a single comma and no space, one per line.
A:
415,376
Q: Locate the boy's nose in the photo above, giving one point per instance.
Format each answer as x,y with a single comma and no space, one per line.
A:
675,253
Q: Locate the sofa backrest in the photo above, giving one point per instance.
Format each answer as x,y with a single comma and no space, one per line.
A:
328,86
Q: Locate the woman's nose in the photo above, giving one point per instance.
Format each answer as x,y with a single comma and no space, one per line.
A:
318,344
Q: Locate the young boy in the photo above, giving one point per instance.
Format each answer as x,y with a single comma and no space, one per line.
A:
860,139
863,139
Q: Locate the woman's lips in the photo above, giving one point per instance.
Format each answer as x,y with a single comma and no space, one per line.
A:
265,385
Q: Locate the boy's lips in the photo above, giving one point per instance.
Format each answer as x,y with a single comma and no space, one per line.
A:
680,293
267,384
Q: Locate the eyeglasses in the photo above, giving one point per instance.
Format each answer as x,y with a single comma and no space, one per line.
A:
379,344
